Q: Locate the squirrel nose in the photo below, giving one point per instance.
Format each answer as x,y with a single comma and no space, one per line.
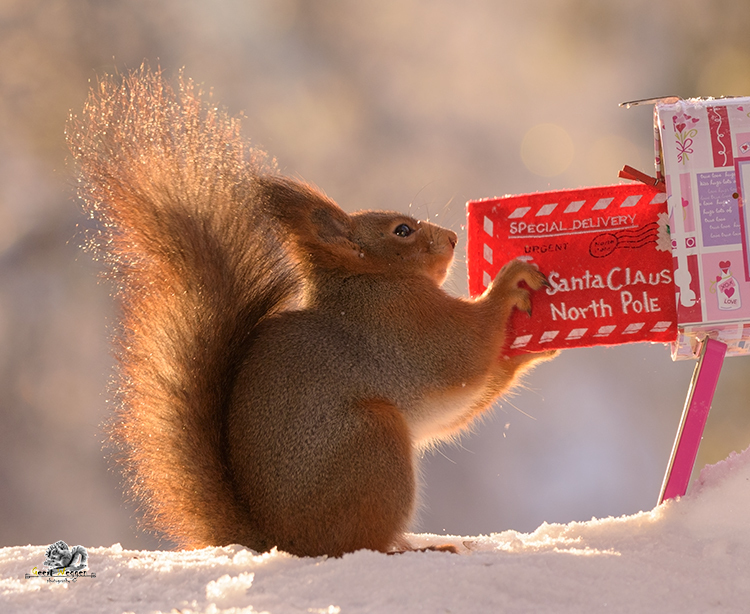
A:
453,238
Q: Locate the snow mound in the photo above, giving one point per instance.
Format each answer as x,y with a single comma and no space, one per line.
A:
689,555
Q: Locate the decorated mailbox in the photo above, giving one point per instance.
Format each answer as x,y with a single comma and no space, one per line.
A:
666,259
703,152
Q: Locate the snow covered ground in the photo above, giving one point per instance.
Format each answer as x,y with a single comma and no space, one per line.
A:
690,555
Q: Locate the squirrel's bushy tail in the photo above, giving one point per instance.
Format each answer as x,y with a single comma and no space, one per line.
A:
175,191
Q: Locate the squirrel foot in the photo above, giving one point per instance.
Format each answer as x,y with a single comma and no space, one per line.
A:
438,548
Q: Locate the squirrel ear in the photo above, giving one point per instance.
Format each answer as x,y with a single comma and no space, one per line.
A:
332,225
321,230
331,241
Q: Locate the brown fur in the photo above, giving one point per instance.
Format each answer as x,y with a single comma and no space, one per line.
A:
280,360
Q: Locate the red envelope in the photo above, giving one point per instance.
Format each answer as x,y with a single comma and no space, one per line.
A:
606,253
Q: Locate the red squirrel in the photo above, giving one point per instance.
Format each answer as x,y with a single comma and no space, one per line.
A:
281,362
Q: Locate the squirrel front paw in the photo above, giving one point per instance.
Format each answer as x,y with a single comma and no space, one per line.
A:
517,271
508,284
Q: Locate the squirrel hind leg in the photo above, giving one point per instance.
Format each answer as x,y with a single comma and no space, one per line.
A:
368,499
389,506
381,480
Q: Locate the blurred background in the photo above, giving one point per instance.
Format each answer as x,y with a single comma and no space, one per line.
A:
399,104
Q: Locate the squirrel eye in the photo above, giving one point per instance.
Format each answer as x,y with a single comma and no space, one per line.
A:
403,230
